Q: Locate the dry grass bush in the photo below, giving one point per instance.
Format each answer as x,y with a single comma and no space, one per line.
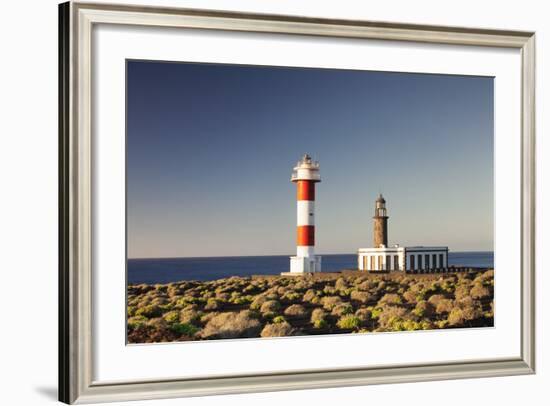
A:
410,296
360,296
435,299
172,316
231,325
296,310
390,299
258,302
311,296
465,310
424,309
190,315
318,314
329,302
444,306
479,291
389,314
223,296
341,284
149,311
462,290
364,314
157,322
277,330
342,309
212,304
270,307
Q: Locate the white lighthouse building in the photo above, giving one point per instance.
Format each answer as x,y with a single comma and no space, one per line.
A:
381,258
305,175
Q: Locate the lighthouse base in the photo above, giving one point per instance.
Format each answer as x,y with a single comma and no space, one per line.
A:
301,265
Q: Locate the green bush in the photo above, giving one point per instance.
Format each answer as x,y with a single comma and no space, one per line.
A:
320,323
185,329
149,311
349,321
279,319
136,321
342,309
172,316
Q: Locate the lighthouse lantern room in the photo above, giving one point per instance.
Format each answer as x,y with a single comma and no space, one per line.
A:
305,175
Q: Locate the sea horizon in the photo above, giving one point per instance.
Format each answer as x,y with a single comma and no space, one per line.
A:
174,269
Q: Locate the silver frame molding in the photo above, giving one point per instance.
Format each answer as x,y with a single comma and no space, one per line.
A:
76,21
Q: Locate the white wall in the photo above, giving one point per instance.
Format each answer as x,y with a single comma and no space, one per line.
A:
28,222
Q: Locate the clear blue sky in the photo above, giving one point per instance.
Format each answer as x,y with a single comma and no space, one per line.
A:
210,150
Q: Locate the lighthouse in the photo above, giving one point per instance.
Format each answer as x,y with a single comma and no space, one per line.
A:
380,223
305,175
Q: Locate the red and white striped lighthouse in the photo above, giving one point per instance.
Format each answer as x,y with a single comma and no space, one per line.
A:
305,175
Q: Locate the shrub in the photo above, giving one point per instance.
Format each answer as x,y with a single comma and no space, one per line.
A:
258,302
277,330
456,317
318,314
149,311
270,308
136,321
435,299
232,325
389,314
359,296
189,315
131,311
479,291
471,309
423,309
296,310
320,323
311,296
462,291
211,304
223,296
390,299
348,322
157,322
329,302
279,319
186,329
291,296
342,309
171,316
444,306
365,315
341,284
410,296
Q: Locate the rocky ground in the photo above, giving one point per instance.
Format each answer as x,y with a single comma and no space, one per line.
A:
272,306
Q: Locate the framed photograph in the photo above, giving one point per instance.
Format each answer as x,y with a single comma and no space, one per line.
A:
263,202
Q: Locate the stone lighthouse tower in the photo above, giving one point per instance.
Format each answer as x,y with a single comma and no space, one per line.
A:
305,175
380,223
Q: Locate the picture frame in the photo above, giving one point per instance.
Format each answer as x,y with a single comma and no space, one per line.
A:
76,216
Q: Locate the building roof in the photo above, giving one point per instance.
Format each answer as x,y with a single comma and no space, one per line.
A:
380,199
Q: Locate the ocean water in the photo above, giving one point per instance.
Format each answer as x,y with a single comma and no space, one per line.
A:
166,270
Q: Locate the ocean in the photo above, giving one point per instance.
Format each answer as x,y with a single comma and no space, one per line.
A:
166,270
